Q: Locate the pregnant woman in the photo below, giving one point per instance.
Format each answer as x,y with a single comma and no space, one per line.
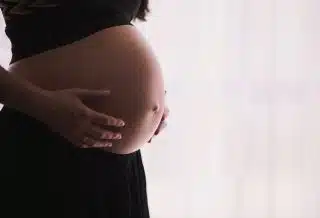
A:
73,45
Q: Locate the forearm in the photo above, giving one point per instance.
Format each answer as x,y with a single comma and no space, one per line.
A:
18,93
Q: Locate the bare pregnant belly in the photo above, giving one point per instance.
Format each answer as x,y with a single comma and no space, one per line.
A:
118,59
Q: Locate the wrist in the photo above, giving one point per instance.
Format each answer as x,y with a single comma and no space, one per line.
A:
18,93
36,101
29,99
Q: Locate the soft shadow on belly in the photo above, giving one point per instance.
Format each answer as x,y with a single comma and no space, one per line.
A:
118,59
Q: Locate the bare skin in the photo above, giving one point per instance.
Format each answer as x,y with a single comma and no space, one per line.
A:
163,123
117,59
58,108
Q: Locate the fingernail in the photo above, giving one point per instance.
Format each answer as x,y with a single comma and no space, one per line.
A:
102,145
117,136
121,123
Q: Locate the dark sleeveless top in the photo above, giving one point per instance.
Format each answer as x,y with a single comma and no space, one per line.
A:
34,26
41,174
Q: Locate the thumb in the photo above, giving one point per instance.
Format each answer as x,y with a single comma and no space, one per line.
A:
86,93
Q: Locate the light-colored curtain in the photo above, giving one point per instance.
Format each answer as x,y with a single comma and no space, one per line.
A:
243,81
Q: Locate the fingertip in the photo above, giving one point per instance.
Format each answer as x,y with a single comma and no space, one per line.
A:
102,92
103,145
107,92
116,122
121,123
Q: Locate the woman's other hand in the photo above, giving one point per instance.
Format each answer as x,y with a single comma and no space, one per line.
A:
65,113
163,123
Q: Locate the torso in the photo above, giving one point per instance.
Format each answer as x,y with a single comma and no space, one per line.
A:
116,58
84,182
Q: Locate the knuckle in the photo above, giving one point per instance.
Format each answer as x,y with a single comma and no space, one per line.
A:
85,113
110,120
75,90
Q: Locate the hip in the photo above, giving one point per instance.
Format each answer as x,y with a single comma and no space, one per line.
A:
43,174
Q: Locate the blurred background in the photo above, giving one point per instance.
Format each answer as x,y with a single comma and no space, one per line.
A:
243,82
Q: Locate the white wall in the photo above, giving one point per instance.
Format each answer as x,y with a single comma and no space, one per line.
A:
243,83
243,86
5,53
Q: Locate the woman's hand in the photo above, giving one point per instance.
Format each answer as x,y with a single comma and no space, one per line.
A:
162,124
65,113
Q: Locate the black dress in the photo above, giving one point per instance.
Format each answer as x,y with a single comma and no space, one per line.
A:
41,174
